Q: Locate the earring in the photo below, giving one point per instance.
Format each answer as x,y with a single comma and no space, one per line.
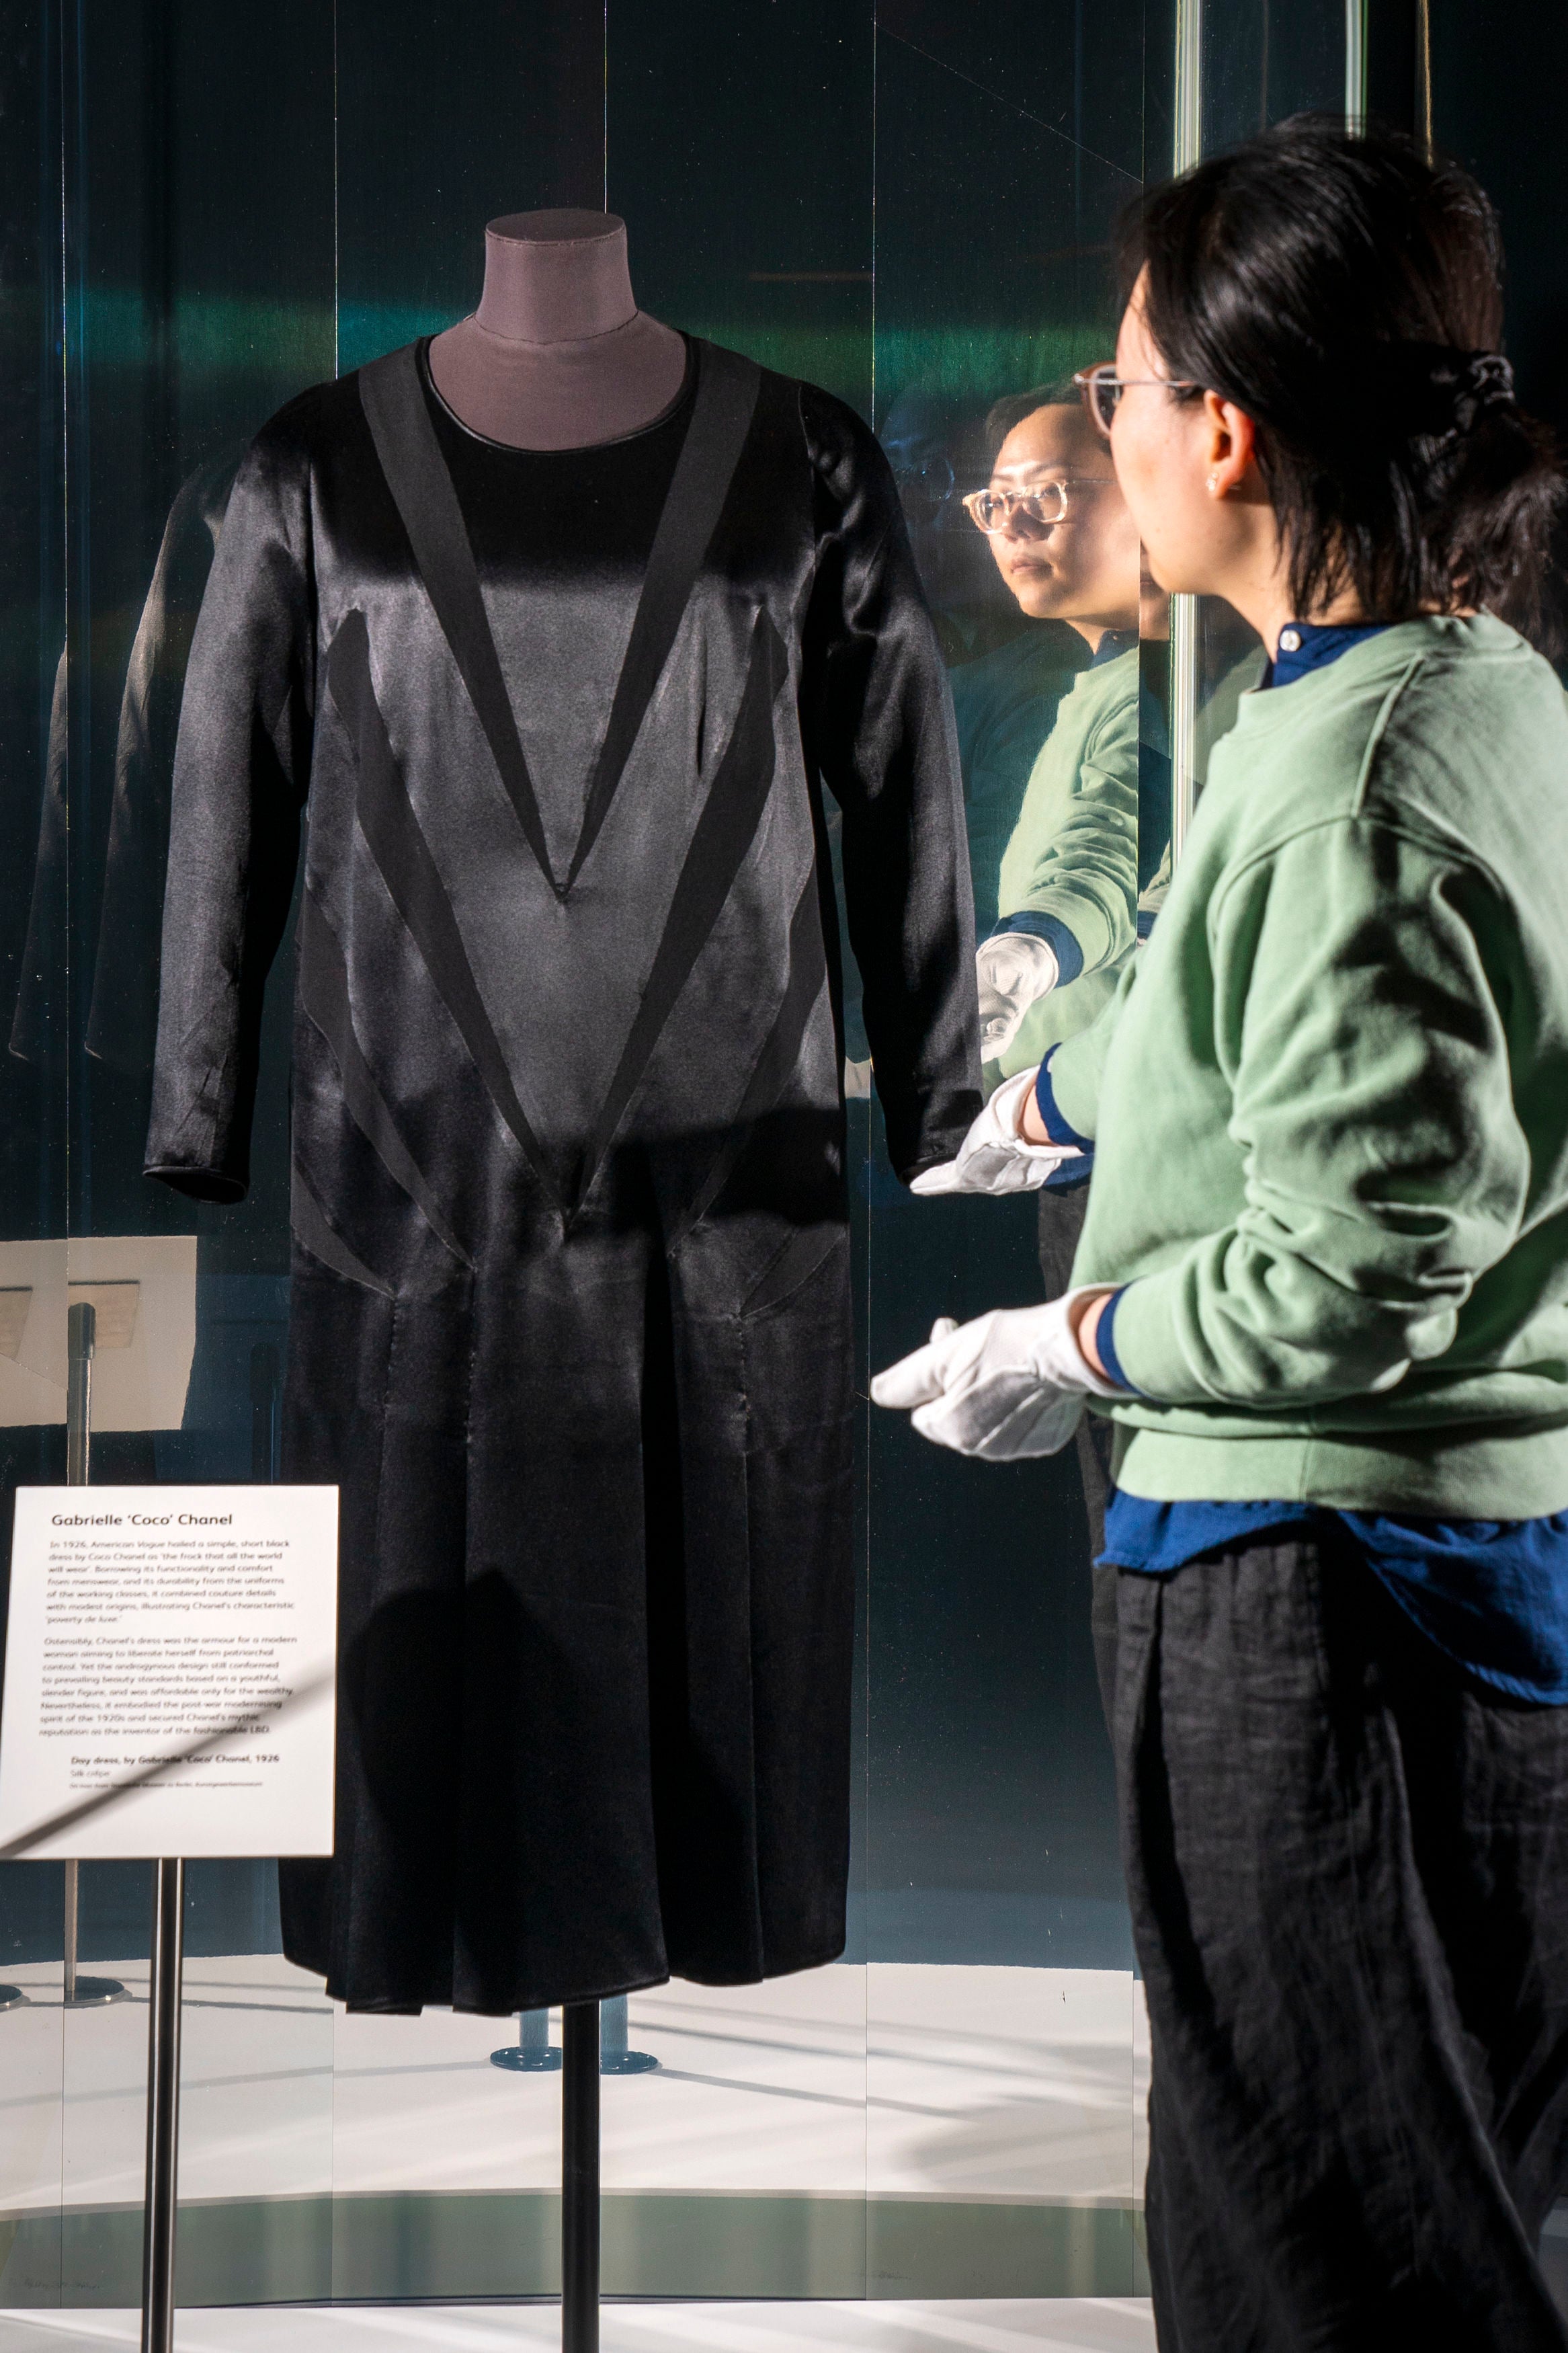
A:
1214,486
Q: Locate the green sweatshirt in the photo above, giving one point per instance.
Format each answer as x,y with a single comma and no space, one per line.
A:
1005,706
1329,1099
1074,849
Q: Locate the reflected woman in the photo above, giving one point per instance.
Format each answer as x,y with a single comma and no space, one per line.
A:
1062,880
1005,702
1322,1286
1062,839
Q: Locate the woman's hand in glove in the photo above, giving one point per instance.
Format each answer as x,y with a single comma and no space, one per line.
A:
1008,1385
993,1156
1013,970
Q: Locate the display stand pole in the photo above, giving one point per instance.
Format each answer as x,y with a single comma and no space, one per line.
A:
163,2110
579,2179
81,1339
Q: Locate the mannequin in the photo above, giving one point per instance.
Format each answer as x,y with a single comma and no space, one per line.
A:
567,1120
557,356
571,1215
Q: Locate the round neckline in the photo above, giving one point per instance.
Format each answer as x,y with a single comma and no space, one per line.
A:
572,449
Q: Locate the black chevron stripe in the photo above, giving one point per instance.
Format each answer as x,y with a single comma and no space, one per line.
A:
727,388
324,994
314,1229
723,834
807,978
393,399
392,832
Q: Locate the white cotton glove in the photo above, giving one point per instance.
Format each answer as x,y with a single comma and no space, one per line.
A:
1014,970
1010,1384
994,1157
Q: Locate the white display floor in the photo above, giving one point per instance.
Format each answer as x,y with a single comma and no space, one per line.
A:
894,2081
901,2132
1070,2325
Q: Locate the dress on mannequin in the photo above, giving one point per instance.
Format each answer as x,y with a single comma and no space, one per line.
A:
571,1321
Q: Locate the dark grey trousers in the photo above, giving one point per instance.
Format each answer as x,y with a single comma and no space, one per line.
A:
1348,1867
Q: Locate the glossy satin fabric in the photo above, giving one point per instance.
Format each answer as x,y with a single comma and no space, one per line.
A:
571,1321
561,541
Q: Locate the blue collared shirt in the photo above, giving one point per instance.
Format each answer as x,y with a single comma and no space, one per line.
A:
1492,1593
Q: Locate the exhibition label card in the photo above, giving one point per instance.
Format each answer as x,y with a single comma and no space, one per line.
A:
170,1654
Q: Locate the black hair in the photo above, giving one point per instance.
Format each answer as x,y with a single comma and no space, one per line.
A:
1345,291
1014,406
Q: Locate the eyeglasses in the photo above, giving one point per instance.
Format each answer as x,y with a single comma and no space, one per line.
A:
1102,389
991,510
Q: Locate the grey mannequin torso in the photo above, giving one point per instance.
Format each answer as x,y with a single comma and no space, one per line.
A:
557,356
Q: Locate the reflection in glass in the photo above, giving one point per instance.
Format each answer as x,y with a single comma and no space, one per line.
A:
1006,701
1065,882
1000,2066
1089,826
936,443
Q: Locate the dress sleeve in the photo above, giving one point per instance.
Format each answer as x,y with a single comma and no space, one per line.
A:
122,1020
1360,977
241,771
877,724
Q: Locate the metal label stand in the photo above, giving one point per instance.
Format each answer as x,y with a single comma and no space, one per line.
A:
83,1993
167,1962
81,1341
163,2109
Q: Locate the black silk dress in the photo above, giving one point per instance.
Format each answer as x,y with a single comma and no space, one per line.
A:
571,1318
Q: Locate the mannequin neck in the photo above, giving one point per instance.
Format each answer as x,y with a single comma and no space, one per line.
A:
557,356
555,278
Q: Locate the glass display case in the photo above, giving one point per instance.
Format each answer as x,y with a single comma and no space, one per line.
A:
912,205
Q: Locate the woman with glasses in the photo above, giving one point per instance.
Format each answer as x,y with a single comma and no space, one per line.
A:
1005,699
1067,881
1322,1286
1062,857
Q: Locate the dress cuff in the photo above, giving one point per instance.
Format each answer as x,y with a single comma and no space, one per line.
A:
1055,934
200,1183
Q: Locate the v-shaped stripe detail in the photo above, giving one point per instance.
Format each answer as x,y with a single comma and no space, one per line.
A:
409,449
727,387
807,979
393,399
723,834
392,833
323,986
